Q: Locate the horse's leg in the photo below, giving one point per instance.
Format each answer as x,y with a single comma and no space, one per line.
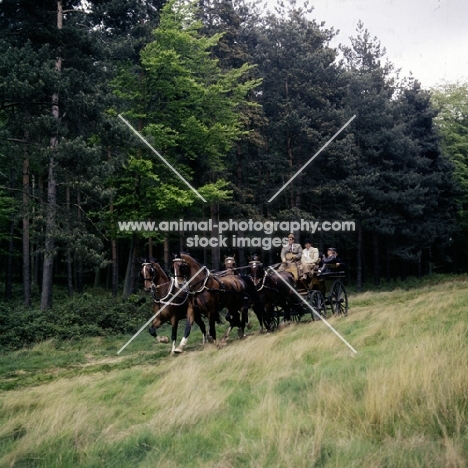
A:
188,329
245,316
212,328
152,331
231,326
287,314
243,319
175,323
270,312
260,313
201,324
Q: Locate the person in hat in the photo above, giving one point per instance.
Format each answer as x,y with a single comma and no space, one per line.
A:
291,252
309,260
332,261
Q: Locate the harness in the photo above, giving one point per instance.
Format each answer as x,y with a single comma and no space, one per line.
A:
169,296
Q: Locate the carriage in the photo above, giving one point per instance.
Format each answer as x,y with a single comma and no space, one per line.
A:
324,291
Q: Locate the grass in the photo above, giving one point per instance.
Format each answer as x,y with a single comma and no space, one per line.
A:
295,398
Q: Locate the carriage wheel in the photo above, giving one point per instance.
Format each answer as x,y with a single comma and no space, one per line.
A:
338,298
275,318
317,302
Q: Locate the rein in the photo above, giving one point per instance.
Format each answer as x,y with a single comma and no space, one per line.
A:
170,294
156,287
263,283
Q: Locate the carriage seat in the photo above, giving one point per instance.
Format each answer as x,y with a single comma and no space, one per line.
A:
331,270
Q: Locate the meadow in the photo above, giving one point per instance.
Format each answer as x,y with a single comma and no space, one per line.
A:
294,398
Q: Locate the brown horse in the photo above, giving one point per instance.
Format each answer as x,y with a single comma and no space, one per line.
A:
169,303
251,299
230,265
209,293
273,291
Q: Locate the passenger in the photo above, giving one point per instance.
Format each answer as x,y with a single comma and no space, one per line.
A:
331,262
291,252
309,260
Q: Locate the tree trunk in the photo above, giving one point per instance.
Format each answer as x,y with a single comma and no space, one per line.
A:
115,261
79,261
51,211
37,255
239,165
359,256
69,253
215,251
131,280
9,265
167,253
375,248
49,245
135,267
128,271
115,269
387,262
150,248
26,250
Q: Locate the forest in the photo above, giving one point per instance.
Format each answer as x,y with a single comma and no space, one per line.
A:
232,101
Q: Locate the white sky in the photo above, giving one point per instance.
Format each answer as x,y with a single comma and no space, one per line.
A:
426,37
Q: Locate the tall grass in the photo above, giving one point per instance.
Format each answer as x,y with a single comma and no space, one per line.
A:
296,398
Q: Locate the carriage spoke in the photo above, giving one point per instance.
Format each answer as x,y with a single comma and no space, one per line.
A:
339,298
317,302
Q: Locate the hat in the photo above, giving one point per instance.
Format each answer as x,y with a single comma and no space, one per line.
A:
332,249
307,241
291,235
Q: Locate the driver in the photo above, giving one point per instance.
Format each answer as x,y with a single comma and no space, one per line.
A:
294,250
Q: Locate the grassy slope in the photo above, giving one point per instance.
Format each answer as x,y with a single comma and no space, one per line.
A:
296,398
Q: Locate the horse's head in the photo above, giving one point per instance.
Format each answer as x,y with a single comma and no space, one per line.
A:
152,274
256,271
147,272
187,269
181,270
230,263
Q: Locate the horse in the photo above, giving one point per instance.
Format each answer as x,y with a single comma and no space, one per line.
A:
169,303
230,265
251,299
273,290
209,293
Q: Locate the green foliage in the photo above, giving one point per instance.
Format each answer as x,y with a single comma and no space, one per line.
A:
85,315
451,101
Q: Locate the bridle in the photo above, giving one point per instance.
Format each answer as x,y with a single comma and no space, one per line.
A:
184,271
156,287
151,271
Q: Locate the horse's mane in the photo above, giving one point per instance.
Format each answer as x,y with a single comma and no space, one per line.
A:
188,254
156,261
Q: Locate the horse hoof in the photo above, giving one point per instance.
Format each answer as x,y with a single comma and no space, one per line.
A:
178,350
249,325
210,339
162,339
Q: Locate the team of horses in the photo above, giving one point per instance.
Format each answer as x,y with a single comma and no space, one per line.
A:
193,293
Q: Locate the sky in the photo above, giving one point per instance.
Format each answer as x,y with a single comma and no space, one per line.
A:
428,38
